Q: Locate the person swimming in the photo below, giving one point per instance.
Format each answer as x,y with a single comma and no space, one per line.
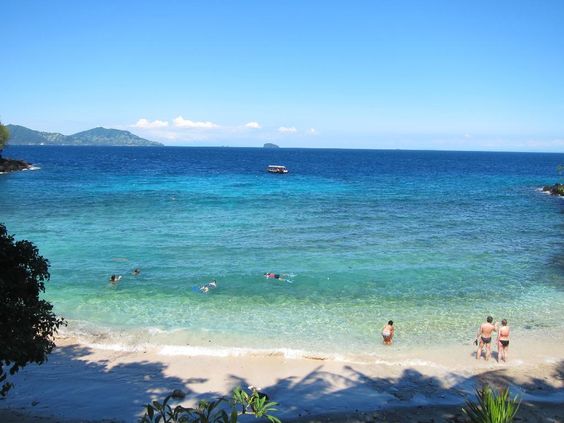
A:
273,276
136,272
210,285
115,279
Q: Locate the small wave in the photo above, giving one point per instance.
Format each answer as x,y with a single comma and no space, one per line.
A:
118,347
32,167
284,353
197,351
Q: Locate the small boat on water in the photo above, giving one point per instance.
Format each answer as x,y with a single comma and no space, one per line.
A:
276,169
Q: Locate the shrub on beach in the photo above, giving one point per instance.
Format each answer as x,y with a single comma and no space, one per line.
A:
492,407
241,403
27,324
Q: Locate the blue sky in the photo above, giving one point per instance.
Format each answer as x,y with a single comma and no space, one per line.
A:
478,75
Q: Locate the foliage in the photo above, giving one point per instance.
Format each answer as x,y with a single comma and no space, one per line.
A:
492,407
27,323
4,135
241,402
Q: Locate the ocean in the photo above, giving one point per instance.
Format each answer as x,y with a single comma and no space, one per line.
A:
432,240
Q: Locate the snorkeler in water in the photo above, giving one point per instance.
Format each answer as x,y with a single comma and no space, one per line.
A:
274,276
210,285
115,279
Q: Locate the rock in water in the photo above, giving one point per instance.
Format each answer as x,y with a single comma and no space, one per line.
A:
556,189
11,165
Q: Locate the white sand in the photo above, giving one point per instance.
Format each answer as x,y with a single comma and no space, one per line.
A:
84,383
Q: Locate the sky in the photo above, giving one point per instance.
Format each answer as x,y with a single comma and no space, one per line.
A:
448,75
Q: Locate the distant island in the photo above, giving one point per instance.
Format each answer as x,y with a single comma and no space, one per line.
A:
270,145
20,135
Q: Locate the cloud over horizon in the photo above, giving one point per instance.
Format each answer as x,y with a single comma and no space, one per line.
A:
180,122
146,124
287,130
253,125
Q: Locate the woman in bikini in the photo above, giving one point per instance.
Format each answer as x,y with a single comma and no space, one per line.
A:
388,333
503,341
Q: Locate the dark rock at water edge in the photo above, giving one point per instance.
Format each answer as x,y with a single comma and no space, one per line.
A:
556,189
270,145
11,165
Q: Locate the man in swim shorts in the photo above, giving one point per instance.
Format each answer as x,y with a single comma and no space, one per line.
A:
388,333
484,338
503,341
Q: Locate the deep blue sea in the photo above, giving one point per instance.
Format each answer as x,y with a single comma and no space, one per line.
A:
433,240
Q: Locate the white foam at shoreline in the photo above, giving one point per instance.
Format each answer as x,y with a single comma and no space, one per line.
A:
284,353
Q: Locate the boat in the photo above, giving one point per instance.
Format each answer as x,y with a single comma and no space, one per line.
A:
276,169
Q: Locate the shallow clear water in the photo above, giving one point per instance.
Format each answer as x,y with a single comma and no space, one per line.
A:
433,240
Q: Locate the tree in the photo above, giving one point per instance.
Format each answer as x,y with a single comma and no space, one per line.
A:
4,135
27,323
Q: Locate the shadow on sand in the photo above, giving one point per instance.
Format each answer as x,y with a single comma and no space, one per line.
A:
94,390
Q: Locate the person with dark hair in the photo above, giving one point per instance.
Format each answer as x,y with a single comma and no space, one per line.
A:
276,276
503,341
388,332
484,336
115,279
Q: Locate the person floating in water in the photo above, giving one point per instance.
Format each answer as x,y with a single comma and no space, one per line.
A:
273,276
503,341
115,279
210,285
484,336
388,333
136,272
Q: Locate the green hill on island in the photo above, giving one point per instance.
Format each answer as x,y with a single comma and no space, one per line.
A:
20,135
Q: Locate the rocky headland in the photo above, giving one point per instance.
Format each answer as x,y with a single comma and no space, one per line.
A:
556,189
12,165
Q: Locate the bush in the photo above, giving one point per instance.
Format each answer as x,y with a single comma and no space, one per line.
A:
27,323
492,407
241,402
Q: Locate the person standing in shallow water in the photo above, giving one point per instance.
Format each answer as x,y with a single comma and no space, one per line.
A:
503,341
484,338
388,333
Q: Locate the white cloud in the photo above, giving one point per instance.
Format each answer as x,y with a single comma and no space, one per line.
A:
146,124
312,131
253,125
180,122
467,136
287,130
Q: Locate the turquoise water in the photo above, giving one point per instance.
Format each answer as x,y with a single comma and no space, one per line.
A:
433,240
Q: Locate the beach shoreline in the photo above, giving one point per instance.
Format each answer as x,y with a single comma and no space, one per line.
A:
84,383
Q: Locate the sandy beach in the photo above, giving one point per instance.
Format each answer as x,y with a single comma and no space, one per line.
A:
88,383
